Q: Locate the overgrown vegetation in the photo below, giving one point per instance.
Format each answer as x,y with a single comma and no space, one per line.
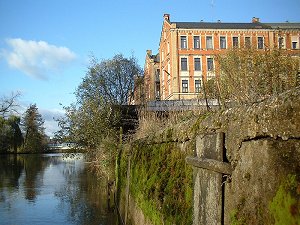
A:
250,75
151,123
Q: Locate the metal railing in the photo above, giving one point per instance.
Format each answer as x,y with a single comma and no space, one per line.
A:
179,105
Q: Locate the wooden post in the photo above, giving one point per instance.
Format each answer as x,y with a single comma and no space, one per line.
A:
208,169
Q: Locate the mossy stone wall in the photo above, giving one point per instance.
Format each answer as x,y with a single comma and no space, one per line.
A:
262,144
160,181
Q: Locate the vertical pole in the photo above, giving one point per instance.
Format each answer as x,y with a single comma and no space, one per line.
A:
208,184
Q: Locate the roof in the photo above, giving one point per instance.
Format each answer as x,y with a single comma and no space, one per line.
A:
220,25
286,25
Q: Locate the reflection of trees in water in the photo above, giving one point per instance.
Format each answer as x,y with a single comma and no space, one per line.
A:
34,166
84,198
11,169
10,172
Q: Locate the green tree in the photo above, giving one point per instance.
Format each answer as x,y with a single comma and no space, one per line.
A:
94,120
33,128
5,134
96,115
249,75
16,139
10,134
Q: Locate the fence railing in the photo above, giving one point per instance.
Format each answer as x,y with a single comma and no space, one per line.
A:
179,105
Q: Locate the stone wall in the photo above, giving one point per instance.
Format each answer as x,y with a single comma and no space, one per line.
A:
262,146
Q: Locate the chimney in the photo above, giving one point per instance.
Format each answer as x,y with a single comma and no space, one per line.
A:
149,52
255,20
167,17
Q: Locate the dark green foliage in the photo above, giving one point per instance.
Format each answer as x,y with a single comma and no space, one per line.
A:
33,126
10,134
160,182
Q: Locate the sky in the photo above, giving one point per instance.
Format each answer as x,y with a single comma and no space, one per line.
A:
45,45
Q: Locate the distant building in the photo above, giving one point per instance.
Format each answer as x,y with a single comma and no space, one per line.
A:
187,52
152,77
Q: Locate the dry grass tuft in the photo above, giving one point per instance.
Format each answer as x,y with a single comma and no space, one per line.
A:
151,123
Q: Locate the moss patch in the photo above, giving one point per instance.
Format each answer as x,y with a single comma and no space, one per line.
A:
160,182
235,220
285,206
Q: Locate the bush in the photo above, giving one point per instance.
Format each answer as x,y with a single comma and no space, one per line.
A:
248,75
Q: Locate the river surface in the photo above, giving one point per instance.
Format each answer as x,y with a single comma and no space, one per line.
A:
52,189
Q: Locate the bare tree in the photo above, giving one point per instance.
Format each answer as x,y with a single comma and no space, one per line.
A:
8,104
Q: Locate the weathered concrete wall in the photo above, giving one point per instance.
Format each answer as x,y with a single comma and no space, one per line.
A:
262,145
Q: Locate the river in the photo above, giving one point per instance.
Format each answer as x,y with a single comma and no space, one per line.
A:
52,189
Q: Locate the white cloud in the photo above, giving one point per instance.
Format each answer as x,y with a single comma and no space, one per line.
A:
37,58
49,115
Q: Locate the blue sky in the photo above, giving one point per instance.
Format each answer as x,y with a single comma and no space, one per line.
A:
45,44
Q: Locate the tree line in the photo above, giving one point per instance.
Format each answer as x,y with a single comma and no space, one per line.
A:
25,134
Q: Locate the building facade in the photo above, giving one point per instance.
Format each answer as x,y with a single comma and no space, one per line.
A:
187,52
152,77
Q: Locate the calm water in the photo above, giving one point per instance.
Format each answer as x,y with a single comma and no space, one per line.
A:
51,189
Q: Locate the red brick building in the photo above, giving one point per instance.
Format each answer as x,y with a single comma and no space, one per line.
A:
187,51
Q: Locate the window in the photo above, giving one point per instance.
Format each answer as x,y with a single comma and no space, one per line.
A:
183,43
197,86
183,64
247,42
210,64
260,42
281,42
185,86
222,42
294,45
235,42
295,42
196,42
209,42
197,64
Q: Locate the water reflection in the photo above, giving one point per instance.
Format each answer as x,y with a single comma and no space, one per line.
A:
51,189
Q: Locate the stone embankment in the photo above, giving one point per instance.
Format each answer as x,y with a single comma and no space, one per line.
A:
262,147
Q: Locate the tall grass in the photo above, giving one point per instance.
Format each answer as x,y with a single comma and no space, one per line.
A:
151,123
